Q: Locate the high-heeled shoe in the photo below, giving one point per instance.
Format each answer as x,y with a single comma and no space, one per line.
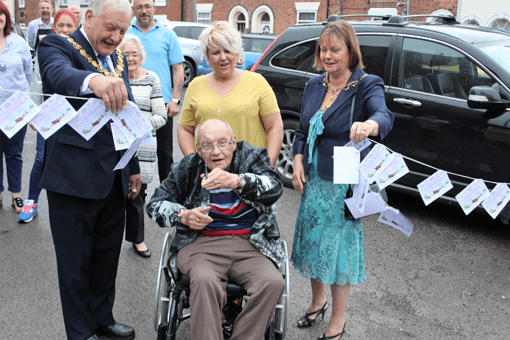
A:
305,321
340,335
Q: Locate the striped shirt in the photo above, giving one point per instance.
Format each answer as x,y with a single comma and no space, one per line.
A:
230,215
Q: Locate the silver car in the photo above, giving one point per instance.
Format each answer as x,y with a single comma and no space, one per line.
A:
188,33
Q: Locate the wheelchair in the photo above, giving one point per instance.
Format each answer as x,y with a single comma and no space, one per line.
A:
172,301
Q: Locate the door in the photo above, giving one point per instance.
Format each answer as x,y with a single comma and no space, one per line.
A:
433,123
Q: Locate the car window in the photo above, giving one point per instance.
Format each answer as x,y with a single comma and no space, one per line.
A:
374,49
195,32
256,45
432,67
298,57
182,31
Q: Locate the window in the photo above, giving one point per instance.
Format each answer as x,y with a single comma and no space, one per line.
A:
306,12
306,17
501,24
204,13
204,17
298,57
374,49
21,4
160,2
85,2
256,45
189,32
63,3
435,68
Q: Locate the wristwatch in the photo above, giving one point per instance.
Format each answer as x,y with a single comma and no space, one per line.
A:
240,183
176,101
179,215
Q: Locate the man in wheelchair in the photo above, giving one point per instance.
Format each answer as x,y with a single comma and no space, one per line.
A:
221,200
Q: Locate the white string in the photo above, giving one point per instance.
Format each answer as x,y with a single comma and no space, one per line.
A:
373,141
430,166
44,94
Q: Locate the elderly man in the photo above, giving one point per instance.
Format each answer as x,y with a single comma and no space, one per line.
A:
226,229
163,51
77,14
45,22
86,198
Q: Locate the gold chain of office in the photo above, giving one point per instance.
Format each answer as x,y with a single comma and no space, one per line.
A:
120,60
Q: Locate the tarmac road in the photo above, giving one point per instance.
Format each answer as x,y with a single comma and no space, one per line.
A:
449,280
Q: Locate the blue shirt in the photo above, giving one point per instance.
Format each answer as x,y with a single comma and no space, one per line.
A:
15,66
34,26
162,50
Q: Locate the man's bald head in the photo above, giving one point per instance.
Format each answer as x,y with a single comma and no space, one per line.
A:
77,13
212,124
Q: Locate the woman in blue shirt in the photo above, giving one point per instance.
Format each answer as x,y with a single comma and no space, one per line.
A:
15,74
327,248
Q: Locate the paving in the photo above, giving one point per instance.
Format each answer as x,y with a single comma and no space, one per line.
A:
449,280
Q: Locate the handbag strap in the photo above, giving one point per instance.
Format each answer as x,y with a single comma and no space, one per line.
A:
352,106
354,98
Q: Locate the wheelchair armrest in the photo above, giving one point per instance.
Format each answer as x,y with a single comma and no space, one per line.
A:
233,289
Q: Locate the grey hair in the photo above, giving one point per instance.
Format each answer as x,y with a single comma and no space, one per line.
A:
197,130
133,39
222,34
123,6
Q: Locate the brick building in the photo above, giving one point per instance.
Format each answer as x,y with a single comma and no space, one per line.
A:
274,16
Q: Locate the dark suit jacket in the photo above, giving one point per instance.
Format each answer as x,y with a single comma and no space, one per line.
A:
73,165
369,104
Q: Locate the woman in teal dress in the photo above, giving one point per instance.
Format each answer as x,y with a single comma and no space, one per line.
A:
327,248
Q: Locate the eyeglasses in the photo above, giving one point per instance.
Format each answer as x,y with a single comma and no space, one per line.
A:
133,55
222,145
146,6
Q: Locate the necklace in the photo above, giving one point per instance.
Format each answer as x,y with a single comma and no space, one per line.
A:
344,87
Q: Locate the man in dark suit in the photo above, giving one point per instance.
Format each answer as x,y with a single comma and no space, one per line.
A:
86,197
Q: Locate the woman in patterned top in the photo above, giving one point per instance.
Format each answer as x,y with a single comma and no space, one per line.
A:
146,89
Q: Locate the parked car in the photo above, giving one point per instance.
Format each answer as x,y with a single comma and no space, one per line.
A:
188,33
430,70
253,45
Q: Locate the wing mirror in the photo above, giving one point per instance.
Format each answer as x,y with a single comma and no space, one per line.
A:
485,97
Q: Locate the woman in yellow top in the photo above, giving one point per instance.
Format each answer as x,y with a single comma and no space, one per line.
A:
243,99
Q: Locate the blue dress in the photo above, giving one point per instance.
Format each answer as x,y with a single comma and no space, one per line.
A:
327,247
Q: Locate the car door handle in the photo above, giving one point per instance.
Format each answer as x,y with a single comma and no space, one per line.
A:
404,101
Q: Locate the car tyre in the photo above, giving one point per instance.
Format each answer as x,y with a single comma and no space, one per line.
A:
189,72
285,163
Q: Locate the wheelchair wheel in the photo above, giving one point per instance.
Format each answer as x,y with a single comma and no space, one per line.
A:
164,287
281,314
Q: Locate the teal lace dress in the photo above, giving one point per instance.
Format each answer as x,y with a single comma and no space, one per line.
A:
327,247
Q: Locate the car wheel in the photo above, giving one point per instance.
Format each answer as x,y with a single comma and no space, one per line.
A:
189,72
285,162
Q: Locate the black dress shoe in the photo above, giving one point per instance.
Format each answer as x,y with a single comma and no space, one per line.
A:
93,337
145,253
117,331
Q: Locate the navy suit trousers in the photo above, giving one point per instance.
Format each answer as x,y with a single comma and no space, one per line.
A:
87,235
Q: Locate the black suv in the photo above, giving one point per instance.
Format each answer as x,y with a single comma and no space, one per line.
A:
430,70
